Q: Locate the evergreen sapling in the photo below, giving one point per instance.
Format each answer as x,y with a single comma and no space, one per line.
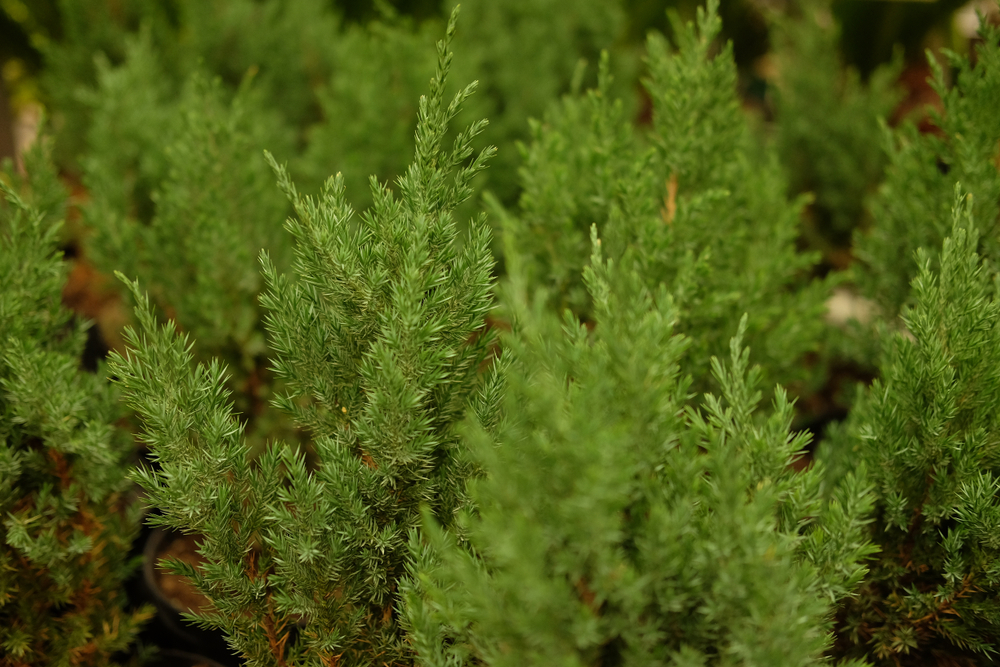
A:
705,203
527,53
827,123
179,198
926,430
67,521
378,332
367,103
619,525
911,209
282,43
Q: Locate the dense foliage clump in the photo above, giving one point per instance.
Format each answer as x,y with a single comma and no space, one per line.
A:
926,431
386,460
912,208
377,332
696,204
68,520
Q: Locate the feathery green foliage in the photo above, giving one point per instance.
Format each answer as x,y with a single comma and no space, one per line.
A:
282,43
617,525
156,143
927,431
911,209
827,120
703,208
608,492
731,244
67,523
526,53
571,178
180,197
328,80
378,331
523,51
368,105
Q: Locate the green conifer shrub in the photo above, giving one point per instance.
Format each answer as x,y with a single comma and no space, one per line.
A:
926,431
911,208
827,121
631,501
180,197
581,155
378,69
145,98
526,53
378,331
368,104
702,199
328,79
283,43
67,523
619,525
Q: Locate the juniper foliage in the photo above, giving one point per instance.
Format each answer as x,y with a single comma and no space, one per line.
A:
68,522
632,501
527,53
378,332
378,69
368,103
223,37
706,204
827,121
180,197
328,80
911,209
926,430
619,525
145,119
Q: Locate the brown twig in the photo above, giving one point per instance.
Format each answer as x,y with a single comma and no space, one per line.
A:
669,209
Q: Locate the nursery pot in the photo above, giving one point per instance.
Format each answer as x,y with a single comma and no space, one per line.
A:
173,594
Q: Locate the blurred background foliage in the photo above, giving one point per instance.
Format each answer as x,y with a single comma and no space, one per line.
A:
870,29
332,85
62,36
48,48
